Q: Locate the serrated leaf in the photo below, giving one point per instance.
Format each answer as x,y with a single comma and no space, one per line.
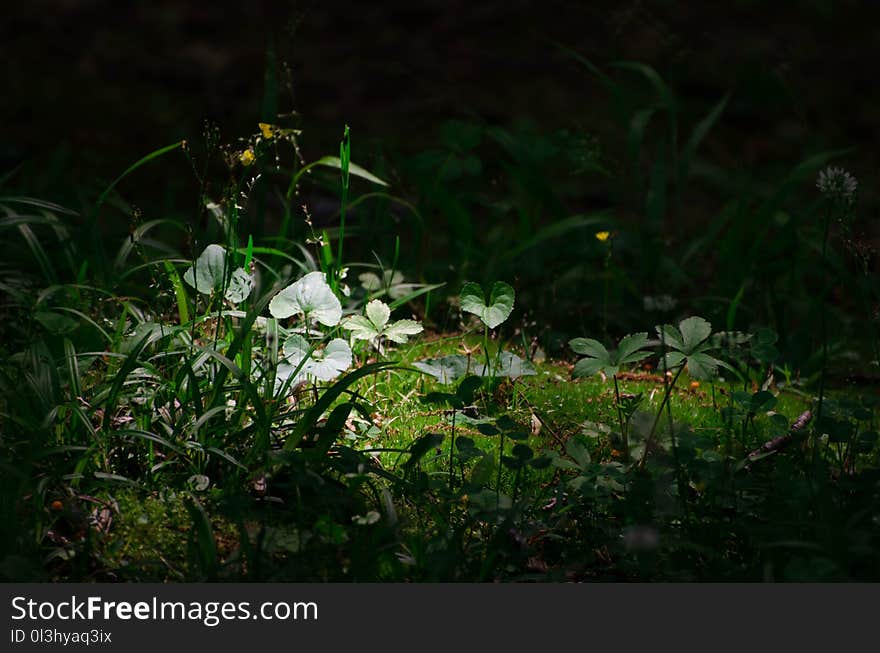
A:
672,360
590,347
361,328
628,349
378,313
670,336
499,307
400,331
586,367
694,330
375,324
702,366
310,296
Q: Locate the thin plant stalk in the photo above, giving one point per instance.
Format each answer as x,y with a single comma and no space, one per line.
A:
823,325
666,393
344,158
623,433
498,480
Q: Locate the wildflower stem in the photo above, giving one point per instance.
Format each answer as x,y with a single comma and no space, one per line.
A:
667,392
623,433
823,321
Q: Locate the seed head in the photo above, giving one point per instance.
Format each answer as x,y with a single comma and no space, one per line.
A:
837,184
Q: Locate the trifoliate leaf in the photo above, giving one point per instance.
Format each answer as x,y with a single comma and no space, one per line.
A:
310,296
375,324
361,328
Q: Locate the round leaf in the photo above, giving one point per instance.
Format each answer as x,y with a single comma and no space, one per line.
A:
322,365
207,275
311,297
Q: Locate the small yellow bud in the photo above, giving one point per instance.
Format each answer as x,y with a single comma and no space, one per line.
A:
602,236
267,129
247,157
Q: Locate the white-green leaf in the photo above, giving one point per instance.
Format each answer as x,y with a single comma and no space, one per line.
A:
378,313
240,286
207,275
371,281
400,331
321,364
499,307
509,365
447,368
361,328
311,297
375,324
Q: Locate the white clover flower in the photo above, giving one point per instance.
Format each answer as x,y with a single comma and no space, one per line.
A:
837,184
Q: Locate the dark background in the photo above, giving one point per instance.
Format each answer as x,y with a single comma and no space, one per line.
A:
91,85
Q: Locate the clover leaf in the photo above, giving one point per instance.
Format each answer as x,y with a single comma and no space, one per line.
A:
496,311
311,297
597,357
375,324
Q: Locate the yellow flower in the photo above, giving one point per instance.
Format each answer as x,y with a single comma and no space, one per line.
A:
267,129
247,157
602,236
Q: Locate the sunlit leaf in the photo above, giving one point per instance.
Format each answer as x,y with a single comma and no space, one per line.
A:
240,286
311,297
314,364
208,273
500,305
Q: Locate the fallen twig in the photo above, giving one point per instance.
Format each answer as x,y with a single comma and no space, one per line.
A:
779,443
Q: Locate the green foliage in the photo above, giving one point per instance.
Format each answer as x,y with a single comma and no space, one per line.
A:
494,312
629,350
690,345
374,325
